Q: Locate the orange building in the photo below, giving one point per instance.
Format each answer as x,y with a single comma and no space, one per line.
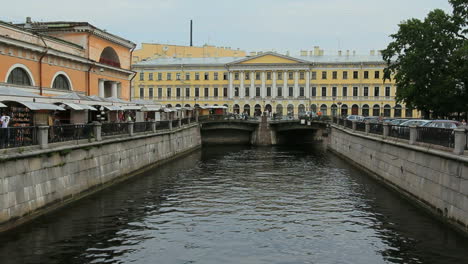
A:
54,58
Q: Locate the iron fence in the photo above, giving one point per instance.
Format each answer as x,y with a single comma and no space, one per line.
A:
193,119
162,125
348,123
12,137
402,132
70,132
139,127
110,129
437,136
361,126
376,128
175,123
185,121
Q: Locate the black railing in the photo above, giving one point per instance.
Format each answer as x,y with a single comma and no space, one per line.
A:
185,121
437,136
162,125
175,123
70,132
348,123
139,127
13,137
192,119
361,126
376,128
402,132
110,129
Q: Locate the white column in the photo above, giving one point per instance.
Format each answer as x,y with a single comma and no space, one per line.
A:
296,84
263,87
285,84
101,88
252,84
231,89
242,90
274,91
307,91
114,90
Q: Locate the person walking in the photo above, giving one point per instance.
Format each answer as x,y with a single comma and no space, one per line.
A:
4,133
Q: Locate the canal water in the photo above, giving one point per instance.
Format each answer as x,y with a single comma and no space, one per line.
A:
297,204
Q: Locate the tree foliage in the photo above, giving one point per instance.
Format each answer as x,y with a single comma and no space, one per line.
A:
429,61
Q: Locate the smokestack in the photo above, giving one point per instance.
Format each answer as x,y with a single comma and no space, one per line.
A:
191,33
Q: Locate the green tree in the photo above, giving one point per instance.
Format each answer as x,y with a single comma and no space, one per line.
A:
429,61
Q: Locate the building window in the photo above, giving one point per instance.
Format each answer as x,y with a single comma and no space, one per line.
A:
159,76
366,91
215,77
355,74
387,91
178,92
225,76
247,75
168,92
247,91
207,92
160,92
225,92
207,76
169,76
61,82
268,75
257,91
345,91
290,75
187,92
376,91
142,75
236,91
280,76
197,76
313,75
142,93
215,92
409,112
291,91
257,76
178,76
301,91
150,77
345,75
236,76
280,91
268,91
314,91
197,92
366,75
324,75
150,93
187,76
377,74
324,91
334,91
301,75
334,75
355,91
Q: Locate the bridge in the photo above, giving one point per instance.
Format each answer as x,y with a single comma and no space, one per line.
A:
260,131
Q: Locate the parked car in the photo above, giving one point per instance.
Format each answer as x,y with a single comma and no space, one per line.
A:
371,119
415,122
443,124
397,122
355,118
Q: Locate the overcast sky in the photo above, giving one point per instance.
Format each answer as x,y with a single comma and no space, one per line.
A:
251,25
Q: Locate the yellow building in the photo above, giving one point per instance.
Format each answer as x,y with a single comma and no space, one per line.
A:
346,84
149,51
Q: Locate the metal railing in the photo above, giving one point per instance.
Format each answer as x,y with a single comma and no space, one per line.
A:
348,123
402,132
162,125
70,132
13,137
376,128
175,123
110,129
139,127
437,136
361,126
185,121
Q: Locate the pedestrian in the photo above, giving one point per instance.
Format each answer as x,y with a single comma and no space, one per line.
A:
463,122
4,133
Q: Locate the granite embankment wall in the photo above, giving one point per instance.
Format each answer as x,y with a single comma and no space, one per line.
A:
435,179
35,182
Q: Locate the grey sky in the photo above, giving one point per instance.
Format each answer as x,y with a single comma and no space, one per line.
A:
251,25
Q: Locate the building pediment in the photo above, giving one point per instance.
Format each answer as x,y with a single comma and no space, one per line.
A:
268,58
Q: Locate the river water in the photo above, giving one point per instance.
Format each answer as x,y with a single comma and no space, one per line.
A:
296,204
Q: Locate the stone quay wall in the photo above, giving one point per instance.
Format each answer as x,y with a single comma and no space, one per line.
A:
35,182
436,180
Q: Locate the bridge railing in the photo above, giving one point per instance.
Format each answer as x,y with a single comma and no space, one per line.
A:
71,132
13,137
437,136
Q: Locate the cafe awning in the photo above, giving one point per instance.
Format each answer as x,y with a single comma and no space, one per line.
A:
150,108
2,105
40,106
131,107
112,108
79,107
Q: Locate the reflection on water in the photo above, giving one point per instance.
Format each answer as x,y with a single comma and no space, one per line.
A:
240,205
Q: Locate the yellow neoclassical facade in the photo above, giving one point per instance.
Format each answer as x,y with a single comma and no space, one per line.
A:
333,85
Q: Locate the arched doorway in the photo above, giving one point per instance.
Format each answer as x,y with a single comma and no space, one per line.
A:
334,110
290,110
257,110
397,112
365,110
236,109
196,105
355,109
313,108
247,109
177,105
376,110
279,110
344,110
301,110
323,109
387,110
268,108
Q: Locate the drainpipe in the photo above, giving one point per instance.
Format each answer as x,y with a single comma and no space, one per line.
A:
134,74
40,63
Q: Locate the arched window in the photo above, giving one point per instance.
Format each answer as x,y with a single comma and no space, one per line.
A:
376,110
247,109
290,110
236,109
397,112
355,109
313,108
19,76
110,57
387,110
323,109
61,82
334,109
344,110
187,105
301,109
177,105
365,110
